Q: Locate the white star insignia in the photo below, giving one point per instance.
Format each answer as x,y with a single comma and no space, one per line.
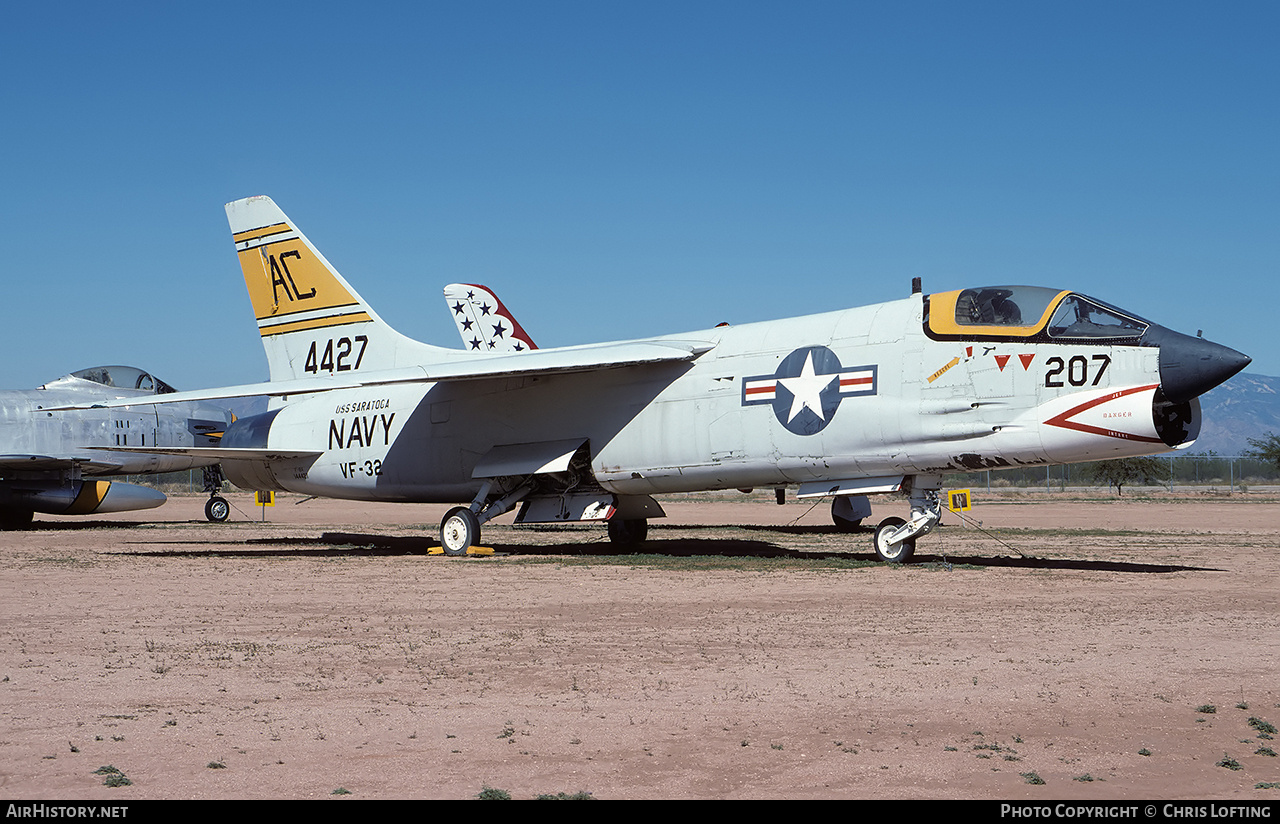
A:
806,390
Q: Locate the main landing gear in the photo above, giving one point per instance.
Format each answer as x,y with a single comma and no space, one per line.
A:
216,509
895,539
460,529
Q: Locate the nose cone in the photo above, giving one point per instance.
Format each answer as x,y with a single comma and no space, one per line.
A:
1189,366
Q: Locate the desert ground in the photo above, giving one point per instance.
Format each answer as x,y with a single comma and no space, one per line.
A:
1072,646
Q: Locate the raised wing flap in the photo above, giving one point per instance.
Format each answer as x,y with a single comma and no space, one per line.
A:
527,458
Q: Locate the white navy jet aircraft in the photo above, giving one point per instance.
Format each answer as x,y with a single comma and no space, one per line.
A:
867,400
48,465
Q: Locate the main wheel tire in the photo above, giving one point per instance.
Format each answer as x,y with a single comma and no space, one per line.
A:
217,509
848,512
628,531
459,530
899,553
844,524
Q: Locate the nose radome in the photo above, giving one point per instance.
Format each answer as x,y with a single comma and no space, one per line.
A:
1189,366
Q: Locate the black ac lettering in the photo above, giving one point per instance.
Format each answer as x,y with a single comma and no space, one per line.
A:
297,295
282,278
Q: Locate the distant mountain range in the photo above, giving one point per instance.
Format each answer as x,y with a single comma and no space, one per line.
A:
1247,406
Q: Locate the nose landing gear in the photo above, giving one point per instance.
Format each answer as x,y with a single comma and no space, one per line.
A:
895,539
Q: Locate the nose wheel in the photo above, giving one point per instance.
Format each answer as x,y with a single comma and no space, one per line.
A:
888,549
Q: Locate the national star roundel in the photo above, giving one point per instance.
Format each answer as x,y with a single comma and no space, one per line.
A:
806,389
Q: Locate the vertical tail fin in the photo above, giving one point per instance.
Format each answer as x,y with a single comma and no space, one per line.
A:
483,322
311,321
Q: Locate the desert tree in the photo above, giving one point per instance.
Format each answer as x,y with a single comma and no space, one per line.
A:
1266,449
1121,471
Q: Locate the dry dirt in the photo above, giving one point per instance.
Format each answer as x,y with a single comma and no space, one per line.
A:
755,654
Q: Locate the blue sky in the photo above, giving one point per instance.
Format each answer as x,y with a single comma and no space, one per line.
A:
615,170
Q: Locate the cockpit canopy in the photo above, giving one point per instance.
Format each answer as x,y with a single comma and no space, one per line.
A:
124,377
1004,312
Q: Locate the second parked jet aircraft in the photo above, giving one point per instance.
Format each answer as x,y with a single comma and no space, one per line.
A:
48,461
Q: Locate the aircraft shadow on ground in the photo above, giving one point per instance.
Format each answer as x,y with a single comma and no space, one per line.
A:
352,544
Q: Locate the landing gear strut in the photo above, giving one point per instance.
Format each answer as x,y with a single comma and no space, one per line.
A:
895,539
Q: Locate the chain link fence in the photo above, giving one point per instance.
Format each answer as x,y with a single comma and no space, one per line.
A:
1226,473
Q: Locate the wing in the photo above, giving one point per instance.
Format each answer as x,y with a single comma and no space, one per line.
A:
540,362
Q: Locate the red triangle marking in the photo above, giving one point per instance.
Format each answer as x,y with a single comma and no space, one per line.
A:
1002,361
1026,360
